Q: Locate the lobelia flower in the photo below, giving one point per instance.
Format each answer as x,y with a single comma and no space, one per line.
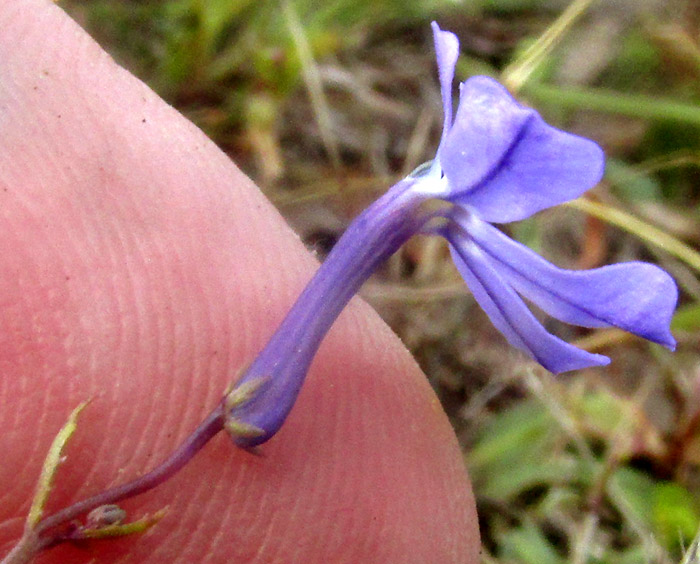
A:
497,162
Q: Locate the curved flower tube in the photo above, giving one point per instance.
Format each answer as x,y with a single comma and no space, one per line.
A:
497,162
263,397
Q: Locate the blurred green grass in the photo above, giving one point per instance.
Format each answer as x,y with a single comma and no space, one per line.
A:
325,106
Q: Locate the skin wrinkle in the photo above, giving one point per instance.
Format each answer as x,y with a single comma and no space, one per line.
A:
34,399
212,356
313,543
200,504
335,474
212,320
169,427
262,311
11,437
382,517
314,498
184,389
306,507
265,551
11,19
128,340
11,525
381,430
281,291
239,345
260,525
81,392
24,467
233,491
335,544
52,76
226,507
220,533
160,347
183,519
222,346
130,334
375,522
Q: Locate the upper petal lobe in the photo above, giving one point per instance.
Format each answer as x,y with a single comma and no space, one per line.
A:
446,52
506,163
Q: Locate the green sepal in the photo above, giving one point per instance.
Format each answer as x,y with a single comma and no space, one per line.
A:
240,429
243,393
121,530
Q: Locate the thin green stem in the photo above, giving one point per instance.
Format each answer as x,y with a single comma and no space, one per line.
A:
640,229
520,70
313,82
607,101
206,430
44,533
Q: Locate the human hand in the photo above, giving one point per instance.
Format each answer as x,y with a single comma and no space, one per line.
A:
140,268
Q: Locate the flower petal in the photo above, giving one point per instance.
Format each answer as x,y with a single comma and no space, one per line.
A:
637,297
487,124
509,313
504,161
447,52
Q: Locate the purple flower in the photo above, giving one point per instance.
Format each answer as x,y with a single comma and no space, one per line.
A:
500,162
497,162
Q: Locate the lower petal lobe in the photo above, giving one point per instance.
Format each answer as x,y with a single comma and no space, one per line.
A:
637,297
509,313
506,162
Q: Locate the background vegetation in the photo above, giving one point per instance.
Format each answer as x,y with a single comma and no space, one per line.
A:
325,104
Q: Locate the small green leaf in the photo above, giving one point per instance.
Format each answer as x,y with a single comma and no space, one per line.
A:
637,554
674,513
524,431
687,318
528,545
602,411
51,463
630,183
524,475
631,492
